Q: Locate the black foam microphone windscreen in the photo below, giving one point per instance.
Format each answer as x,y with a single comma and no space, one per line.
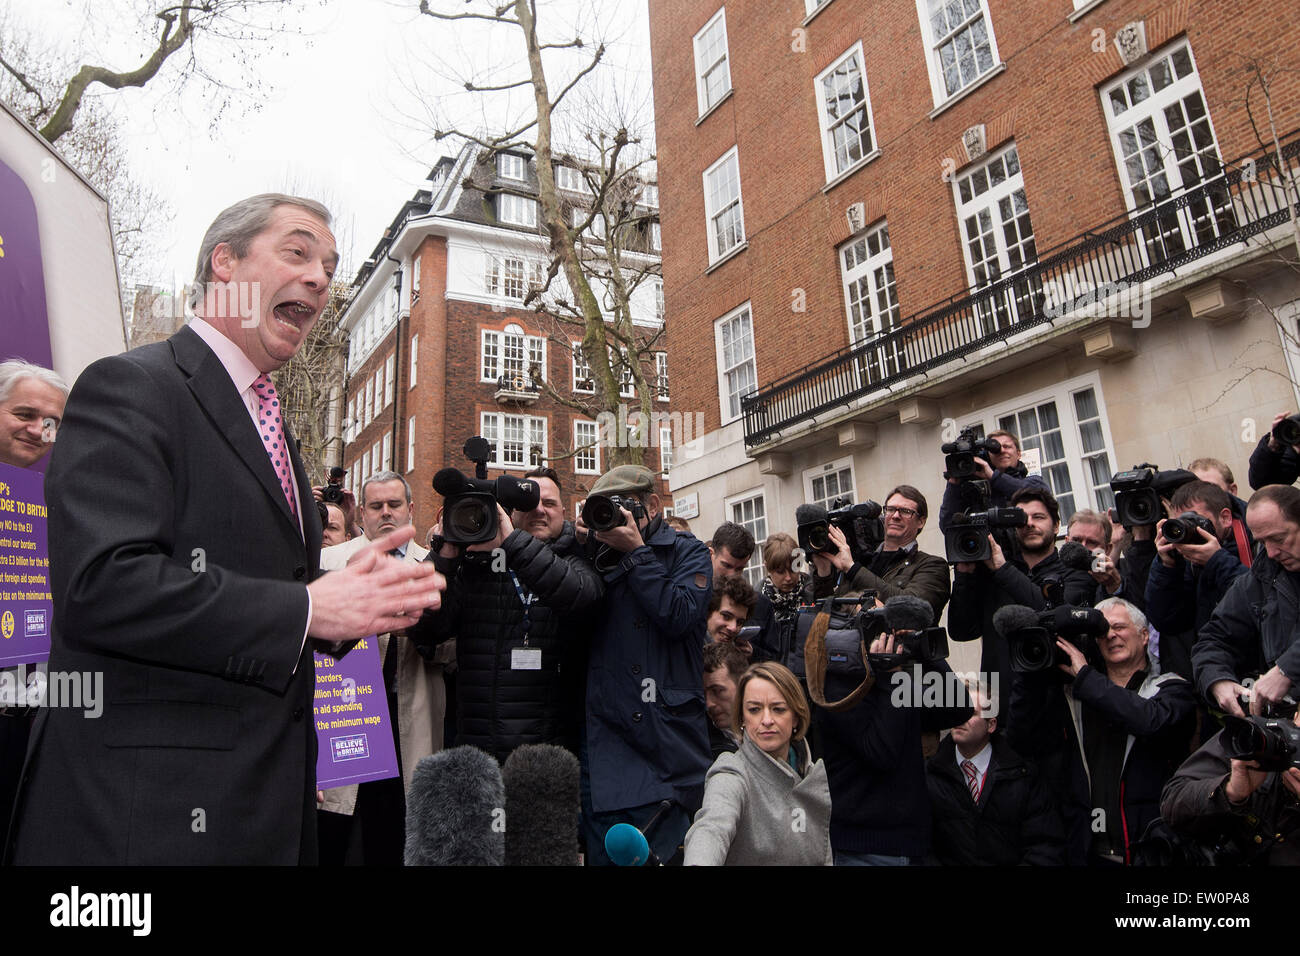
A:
809,514
456,810
906,612
1014,617
1075,555
449,481
542,806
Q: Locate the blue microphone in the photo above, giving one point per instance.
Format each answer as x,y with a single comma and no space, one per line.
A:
627,846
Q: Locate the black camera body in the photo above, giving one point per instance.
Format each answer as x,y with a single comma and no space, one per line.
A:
1139,490
860,523
333,490
1272,742
469,513
601,512
1033,646
960,454
1183,529
967,536
1287,431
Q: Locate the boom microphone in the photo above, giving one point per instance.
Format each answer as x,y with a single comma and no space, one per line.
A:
1076,556
455,810
905,612
1014,617
449,481
542,806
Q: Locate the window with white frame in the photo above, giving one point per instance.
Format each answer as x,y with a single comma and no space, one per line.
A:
867,268
623,368
1164,144
516,210
518,441
723,212
376,463
665,449
410,443
997,236
512,353
570,178
657,289
844,111
370,401
825,483
586,454
750,512
379,390
661,376
390,377
510,276
582,381
1067,426
415,279
650,195
356,477
597,227
960,47
737,372
511,166
656,238
811,6
712,66
415,358
386,460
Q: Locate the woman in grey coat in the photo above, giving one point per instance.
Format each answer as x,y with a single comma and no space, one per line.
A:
768,803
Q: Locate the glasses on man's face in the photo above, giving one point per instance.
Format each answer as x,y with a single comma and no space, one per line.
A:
901,512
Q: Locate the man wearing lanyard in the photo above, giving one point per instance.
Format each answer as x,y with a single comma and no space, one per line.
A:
514,606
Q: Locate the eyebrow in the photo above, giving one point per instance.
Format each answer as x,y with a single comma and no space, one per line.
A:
314,239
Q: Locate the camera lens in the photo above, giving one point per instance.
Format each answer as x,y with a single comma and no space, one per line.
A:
970,544
468,518
1141,510
1287,431
1176,530
601,514
819,539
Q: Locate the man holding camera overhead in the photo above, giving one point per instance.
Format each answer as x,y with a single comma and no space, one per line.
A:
645,745
1276,460
1002,469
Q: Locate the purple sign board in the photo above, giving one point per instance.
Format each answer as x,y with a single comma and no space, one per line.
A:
353,730
22,280
26,605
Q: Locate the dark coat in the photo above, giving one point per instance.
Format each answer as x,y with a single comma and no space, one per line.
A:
1268,467
919,574
207,678
499,708
1015,822
1002,487
647,734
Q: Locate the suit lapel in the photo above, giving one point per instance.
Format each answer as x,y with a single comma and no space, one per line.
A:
311,527
215,392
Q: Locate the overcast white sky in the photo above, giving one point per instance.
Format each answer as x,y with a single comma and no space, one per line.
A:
337,116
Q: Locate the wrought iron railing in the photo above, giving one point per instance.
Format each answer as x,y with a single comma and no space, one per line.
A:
1109,262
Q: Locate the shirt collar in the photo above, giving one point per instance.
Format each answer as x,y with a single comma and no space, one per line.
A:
241,371
980,760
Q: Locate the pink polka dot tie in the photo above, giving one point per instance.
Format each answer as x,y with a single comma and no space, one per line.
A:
271,429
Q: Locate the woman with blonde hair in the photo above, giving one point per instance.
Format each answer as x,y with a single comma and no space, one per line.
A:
768,803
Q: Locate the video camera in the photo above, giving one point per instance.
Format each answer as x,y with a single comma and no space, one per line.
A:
967,536
1031,635
469,514
860,523
960,455
1272,742
1138,492
333,491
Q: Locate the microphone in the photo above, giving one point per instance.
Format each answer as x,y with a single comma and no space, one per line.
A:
627,846
1076,556
809,514
1014,617
449,481
542,806
455,810
906,612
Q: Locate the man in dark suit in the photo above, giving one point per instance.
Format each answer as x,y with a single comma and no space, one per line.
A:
184,553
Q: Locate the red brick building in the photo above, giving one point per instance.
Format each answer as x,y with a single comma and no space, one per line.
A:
442,347
888,220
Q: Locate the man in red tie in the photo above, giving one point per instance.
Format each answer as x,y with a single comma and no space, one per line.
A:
184,554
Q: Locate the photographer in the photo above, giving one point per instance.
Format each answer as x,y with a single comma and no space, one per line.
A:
1253,628
1239,812
1004,473
1191,574
1035,580
1107,738
1276,459
1217,472
515,627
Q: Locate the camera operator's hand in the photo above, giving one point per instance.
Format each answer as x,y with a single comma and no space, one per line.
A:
822,565
626,537
504,528
1108,575
580,530
1274,445
1164,547
843,557
1200,552
1077,660
884,644
318,492
1243,780
1225,694
1268,690
983,469
997,558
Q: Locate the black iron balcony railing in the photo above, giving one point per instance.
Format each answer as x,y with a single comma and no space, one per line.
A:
1109,262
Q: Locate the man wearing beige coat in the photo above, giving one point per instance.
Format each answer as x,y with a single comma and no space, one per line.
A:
365,823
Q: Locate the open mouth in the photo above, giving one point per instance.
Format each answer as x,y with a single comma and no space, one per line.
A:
294,314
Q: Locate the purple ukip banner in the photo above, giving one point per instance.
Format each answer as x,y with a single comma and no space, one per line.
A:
26,605
353,729
22,280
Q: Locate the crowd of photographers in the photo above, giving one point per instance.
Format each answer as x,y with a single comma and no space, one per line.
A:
1133,702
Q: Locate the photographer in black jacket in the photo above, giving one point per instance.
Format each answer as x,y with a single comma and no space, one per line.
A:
515,606
1274,462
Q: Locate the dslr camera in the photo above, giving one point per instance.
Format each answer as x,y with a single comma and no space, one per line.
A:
469,514
967,536
861,525
1273,742
1184,528
1287,431
601,512
960,455
1138,493
926,645
333,490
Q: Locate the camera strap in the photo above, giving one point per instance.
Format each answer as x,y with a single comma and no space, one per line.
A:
525,598
1243,549
815,660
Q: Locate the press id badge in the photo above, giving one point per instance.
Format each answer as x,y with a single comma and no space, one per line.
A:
525,658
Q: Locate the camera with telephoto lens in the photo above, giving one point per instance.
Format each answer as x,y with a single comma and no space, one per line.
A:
1287,431
967,536
1183,529
333,490
1272,742
1139,490
601,512
469,514
1031,635
860,523
960,455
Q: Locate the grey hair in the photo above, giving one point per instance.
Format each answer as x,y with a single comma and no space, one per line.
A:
384,476
15,370
238,226
1135,615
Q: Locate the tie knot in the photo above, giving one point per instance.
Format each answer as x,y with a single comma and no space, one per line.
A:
264,386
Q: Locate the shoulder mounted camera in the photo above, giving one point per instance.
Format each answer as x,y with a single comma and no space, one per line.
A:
469,513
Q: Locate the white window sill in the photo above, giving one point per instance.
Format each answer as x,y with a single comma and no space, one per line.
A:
967,91
813,16
851,170
709,112
731,254
1085,9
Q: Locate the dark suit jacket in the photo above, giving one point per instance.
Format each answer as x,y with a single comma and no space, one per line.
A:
178,573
